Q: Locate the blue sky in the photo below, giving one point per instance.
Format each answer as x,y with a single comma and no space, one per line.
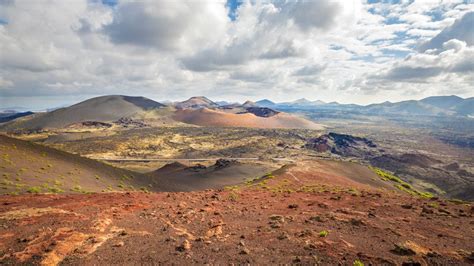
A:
59,52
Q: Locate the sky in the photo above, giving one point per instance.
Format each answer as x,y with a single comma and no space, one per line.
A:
55,53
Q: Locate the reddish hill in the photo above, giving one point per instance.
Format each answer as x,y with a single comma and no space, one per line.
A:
207,117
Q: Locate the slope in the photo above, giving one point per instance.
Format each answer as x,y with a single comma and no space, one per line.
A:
207,117
178,177
29,167
196,102
104,108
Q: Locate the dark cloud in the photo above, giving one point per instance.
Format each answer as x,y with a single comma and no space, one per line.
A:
462,29
132,24
310,70
213,59
466,65
165,25
309,15
410,73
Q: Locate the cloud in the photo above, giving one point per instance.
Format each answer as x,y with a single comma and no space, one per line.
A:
462,29
165,24
309,15
452,64
412,73
310,70
338,50
279,31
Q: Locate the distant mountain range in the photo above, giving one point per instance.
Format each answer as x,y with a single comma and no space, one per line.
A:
431,106
128,111
202,111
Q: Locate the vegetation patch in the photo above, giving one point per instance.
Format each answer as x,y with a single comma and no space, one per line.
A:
400,184
323,233
34,190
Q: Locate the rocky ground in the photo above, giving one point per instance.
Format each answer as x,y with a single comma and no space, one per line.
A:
286,218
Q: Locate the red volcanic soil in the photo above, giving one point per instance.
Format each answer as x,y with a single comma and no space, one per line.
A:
277,219
207,117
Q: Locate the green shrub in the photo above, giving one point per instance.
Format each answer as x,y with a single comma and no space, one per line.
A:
55,190
323,233
233,196
35,190
358,263
77,188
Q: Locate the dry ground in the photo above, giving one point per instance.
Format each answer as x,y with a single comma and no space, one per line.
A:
295,216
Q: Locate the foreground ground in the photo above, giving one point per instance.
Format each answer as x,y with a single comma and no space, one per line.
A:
287,218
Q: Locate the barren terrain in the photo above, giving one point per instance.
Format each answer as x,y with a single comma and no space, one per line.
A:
293,216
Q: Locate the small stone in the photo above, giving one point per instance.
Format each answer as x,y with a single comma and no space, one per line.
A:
119,244
322,205
277,218
402,250
407,206
426,210
275,225
244,251
305,233
356,222
184,246
170,239
471,256
310,246
293,206
283,236
317,218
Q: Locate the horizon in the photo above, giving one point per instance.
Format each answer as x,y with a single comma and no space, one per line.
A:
66,104
359,52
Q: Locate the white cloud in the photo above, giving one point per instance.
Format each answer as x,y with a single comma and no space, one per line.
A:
337,50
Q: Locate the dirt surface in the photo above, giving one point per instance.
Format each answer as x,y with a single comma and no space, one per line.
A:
216,118
179,177
293,216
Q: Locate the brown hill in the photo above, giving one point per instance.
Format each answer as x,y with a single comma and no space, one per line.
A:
178,177
207,117
29,167
32,168
103,109
196,102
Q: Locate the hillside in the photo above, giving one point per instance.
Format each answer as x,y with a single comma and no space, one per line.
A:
33,168
178,177
289,217
196,102
104,109
466,107
208,117
128,112
430,106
